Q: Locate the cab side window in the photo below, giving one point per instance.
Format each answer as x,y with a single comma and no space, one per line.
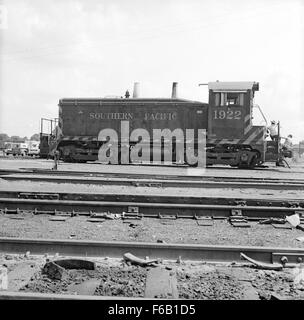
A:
220,99
229,99
235,99
217,99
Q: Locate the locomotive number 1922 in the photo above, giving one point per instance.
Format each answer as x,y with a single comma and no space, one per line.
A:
229,114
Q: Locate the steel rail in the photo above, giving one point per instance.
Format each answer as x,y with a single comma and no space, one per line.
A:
186,252
161,197
12,295
168,183
4,173
147,209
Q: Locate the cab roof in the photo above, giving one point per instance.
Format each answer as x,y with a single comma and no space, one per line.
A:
233,86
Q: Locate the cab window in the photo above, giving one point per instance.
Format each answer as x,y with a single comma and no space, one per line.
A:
229,99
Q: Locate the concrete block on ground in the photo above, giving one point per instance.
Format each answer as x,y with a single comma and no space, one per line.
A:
21,275
161,283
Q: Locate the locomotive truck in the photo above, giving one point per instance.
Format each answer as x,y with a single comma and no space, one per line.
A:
231,137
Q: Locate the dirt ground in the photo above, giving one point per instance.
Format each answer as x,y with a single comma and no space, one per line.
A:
296,171
150,230
247,193
195,280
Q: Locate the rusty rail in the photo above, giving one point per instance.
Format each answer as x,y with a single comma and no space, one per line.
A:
111,249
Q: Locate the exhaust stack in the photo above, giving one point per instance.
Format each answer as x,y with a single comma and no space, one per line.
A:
136,90
174,90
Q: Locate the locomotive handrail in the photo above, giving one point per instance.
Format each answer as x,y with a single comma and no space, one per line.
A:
257,106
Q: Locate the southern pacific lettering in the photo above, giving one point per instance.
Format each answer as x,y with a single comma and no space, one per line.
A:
130,116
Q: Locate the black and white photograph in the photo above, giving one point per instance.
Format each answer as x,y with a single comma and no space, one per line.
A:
152,153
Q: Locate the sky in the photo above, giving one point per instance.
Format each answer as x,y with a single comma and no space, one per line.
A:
93,48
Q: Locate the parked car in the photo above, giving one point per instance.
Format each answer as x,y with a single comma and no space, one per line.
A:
17,149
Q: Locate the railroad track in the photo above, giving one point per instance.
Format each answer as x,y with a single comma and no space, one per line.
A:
146,180
149,206
146,205
278,257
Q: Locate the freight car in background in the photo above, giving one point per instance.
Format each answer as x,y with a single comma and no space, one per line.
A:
232,139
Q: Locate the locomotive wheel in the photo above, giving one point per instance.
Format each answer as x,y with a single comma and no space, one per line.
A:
193,165
250,164
66,156
253,162
243,162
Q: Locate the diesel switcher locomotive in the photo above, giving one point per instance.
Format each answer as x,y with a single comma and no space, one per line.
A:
231,137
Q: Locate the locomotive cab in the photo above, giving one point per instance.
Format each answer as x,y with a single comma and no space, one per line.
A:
230,112
232,138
